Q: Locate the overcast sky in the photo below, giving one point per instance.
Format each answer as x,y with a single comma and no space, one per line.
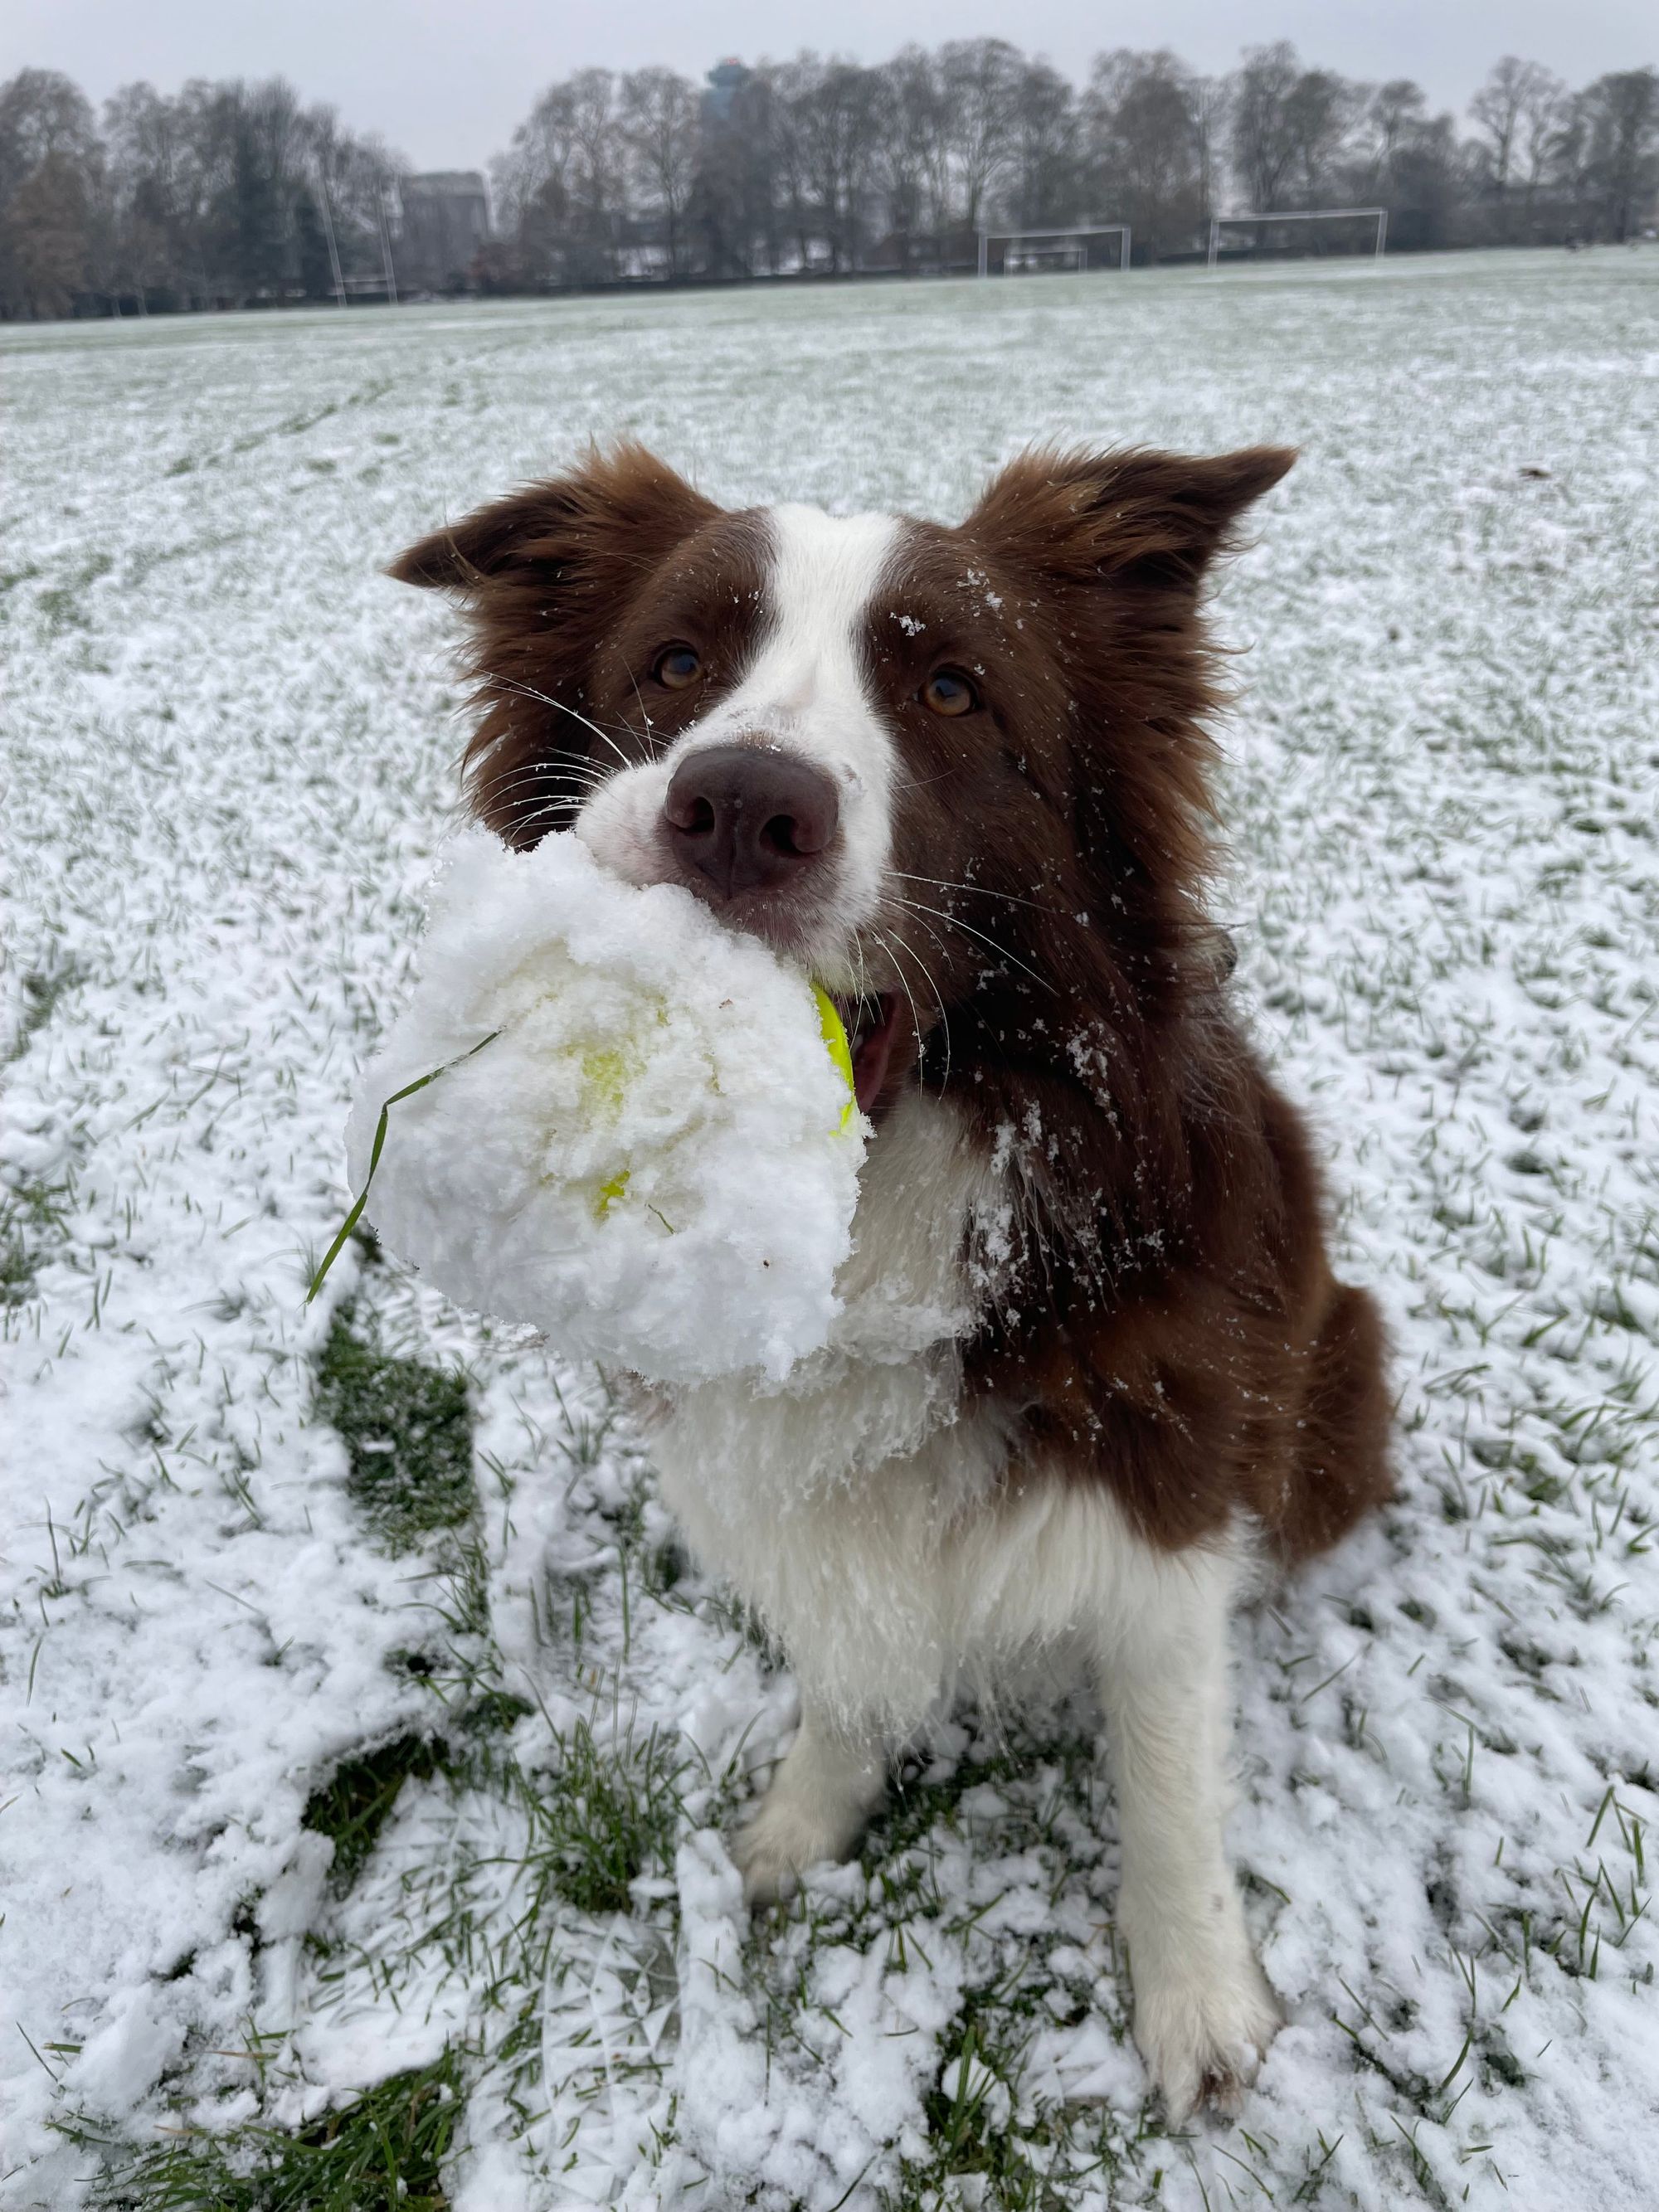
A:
444,81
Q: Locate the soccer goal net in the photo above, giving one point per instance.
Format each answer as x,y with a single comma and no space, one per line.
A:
1296,231
1039,252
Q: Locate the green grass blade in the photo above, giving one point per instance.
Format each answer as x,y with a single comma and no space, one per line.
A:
375,1150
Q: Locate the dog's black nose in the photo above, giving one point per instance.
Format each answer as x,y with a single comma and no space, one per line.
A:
749,818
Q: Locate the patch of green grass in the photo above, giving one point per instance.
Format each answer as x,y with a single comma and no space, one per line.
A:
408,1430
494,1712
16,1262
963,2109
603,1820
28,1211
383,2152
370,1251
42,988
10,577
63,605
918,1801
307,419
1043,2161
356,1802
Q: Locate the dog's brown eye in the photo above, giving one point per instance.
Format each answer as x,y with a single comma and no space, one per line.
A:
949,692
678,668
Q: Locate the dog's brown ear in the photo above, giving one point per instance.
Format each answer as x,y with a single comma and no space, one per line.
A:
547,527
1159,519
545,575
460,557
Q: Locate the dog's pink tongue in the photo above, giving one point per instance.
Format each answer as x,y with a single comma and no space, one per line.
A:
869,1061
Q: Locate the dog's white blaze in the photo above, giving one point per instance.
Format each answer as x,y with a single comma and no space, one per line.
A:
807,690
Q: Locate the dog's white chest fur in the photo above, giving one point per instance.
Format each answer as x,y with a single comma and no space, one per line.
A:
887,1531
830,1502
874,1517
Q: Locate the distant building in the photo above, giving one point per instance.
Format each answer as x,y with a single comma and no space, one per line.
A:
726,80
446,219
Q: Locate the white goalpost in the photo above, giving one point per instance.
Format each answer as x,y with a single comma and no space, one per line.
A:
1032,252
1379,215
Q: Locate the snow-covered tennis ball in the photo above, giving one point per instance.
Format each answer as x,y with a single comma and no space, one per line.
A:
653,1158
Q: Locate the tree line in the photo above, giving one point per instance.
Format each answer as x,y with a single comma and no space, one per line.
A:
230,194
222,195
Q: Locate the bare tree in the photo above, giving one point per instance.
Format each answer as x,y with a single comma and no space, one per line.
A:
563,183
796,87
1319,113
1266,142
50,218
1410,160
216,194
538,157
736,196
828,119
44,116
907,160
1499,110
1543,117
1394,113
51,177
840,133
1043,180
658,115
1212,106
1615,147
156,205
977,77
1144,137
600,173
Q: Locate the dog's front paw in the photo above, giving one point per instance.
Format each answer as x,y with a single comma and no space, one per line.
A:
785,1836
1203,2028
827,1786
774,1850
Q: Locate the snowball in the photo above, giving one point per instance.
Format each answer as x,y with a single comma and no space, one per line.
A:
655,1160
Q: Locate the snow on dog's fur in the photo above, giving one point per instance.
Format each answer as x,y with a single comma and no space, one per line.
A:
1093,1363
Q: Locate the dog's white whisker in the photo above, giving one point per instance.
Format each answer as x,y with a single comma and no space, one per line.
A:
955,921
895,944
915,1013
978,890
560,706
551,782
555,760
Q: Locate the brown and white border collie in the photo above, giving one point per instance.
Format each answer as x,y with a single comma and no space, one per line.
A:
1093,1370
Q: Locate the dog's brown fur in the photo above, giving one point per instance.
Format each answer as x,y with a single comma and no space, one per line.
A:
1169,1323
571,586
1162,1319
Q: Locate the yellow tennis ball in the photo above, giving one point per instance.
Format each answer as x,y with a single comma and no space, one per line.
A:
841,1052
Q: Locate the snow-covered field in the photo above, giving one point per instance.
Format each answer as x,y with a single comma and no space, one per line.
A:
361,1727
